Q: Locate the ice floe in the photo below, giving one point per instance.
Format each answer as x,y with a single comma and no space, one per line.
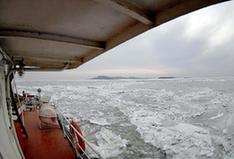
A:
109,144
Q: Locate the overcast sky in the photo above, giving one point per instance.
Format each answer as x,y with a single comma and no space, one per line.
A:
198,44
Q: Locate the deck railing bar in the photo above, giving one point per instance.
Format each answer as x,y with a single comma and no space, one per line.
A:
69,138
74,144
86,141
82,151
66,133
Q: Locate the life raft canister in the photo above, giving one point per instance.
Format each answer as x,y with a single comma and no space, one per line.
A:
77,138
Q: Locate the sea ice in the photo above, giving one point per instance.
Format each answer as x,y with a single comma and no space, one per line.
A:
109,144
185,118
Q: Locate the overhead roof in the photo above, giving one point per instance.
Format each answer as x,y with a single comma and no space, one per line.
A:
63,34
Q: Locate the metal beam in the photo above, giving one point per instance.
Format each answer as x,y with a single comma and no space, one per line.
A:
44,69
182,8
127,8
33,65
38,58
52,37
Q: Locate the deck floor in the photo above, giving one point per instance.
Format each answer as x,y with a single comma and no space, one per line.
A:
45,144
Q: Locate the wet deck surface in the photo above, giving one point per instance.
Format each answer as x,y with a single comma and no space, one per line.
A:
45,144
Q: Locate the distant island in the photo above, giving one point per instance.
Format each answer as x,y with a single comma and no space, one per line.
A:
166,77
116,77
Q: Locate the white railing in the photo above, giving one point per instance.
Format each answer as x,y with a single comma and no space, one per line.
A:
66,126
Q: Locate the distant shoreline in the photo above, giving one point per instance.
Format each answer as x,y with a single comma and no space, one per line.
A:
116,78
103,77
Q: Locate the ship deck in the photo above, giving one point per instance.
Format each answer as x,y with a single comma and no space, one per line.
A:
47,143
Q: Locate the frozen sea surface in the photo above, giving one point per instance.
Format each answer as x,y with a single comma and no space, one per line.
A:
169,119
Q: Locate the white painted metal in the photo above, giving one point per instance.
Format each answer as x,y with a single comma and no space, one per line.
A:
9,148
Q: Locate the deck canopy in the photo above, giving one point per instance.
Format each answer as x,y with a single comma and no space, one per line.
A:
63,34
